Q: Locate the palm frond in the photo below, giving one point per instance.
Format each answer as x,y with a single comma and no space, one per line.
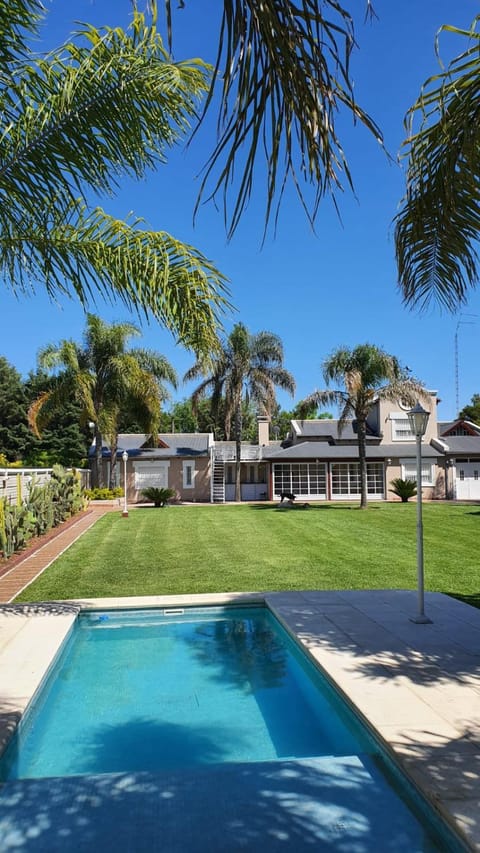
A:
156,364
320,400
19,19
146,270
437,228
107,104
283,70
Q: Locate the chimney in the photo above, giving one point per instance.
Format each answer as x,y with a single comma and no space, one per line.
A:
263,422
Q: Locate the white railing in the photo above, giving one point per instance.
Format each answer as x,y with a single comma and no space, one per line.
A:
15,481
228,454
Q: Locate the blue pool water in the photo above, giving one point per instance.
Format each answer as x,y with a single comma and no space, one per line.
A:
144,692
141,691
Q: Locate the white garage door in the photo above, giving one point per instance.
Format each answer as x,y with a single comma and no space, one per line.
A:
151,474
468,480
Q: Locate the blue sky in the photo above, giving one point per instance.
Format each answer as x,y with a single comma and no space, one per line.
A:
316,291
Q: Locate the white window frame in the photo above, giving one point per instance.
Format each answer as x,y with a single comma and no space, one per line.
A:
346,475
395,417
188,465
301,478
409,471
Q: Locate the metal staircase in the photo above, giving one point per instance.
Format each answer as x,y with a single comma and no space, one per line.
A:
218,481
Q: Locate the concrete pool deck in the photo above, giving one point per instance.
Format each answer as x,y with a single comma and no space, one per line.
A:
418,686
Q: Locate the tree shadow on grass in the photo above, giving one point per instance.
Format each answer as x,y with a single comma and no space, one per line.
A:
301,506
473,598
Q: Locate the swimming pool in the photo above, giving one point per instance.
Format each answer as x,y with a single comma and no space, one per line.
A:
162,691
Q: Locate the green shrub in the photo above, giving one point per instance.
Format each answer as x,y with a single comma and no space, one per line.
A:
4,463
159,497
103,494
404,489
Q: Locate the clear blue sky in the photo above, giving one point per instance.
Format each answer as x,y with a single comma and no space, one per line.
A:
317,291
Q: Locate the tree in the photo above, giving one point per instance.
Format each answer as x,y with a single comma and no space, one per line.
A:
368,374
438,225
103,376
63,441
14,431
108,103
472,412
248,368
284,76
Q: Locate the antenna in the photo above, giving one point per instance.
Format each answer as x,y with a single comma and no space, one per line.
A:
460,322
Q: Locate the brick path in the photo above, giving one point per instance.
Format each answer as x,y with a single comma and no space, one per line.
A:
24,572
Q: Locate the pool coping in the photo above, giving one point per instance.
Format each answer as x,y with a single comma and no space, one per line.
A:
416,686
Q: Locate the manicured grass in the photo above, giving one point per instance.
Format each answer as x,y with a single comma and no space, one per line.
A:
237,548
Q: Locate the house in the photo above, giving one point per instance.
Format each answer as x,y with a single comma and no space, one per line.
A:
314,461
460,443
180,461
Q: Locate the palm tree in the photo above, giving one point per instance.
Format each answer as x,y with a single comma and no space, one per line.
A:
283,71
107,104
104,377
438,225
248,368
368,374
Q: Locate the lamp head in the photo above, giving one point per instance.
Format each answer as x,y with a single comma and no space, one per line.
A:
418,418
124,455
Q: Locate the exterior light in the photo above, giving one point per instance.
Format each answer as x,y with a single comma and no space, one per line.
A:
125,507
418,418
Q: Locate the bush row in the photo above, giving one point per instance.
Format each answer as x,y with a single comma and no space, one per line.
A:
103,494
44,507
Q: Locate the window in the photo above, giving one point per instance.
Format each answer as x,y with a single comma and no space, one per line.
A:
301,478
346,478
401,429
409,471
188,475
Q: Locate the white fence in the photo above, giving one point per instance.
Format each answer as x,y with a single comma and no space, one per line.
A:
17,480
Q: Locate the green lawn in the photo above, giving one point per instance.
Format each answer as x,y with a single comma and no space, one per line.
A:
223,548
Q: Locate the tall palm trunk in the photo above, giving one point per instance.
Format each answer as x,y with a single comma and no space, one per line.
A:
97,471
362,456
112,480
238,452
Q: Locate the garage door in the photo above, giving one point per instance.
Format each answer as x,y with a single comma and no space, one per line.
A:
151,474
468,480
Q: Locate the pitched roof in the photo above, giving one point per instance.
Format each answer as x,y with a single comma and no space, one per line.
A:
467,445
447,427
325,429
322,450
170,444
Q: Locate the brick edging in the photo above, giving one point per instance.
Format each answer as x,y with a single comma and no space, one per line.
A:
6,565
